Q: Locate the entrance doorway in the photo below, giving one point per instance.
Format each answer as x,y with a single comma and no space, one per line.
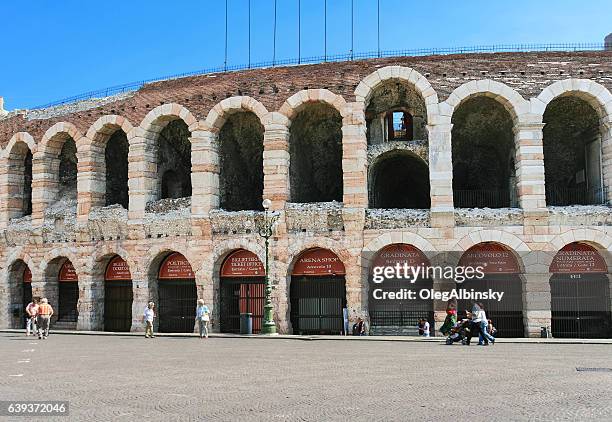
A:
177,295
118,296
501,274
318,293
242,291
27,286
580,293
399,317
68,293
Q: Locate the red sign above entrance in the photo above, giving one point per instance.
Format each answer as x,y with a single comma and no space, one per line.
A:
578,258
67,273
492,257
400,253
317,262
27,275
176,266
242,263
117,270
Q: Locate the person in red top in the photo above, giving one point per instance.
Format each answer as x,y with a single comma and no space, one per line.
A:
45,312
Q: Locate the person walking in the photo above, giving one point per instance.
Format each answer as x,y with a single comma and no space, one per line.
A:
203,318
147,318
474,329
45,312
485,338
31,315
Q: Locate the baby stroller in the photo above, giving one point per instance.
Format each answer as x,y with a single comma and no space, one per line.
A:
459,332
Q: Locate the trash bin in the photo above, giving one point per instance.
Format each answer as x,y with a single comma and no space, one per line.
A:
246,323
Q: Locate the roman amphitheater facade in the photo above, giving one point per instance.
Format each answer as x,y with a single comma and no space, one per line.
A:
442,153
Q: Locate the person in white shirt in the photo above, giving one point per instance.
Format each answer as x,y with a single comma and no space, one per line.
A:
423,327
148,316
484,338
31,315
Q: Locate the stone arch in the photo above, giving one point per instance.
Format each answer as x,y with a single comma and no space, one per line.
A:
222,110
158,252
294,104
156,119
16,177
61,253
50,286
93,162
368,85
512,101
559,190
509,240
102,255
598,239
47,164
391,238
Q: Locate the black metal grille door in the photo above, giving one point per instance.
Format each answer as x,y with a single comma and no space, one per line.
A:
580,305
507,315
177,304
118,306
316,305
238,296
68,298
400,315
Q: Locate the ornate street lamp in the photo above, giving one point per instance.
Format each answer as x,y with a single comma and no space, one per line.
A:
265,229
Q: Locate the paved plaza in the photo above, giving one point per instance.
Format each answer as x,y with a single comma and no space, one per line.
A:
176,378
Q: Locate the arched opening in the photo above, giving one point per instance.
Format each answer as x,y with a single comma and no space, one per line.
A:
483,155
242,290
580,293
19,292
67,188
177,293
68,295
396,112
501,274
241,162
318,293
315,149
116,159
20,181
392,313
118,296
572,153
174,161
399,179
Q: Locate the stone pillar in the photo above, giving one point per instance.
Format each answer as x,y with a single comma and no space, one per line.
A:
441,175
6,192
276,160
142,171
91,183
140,299
536,295
606,155
355,157
91,304
204,172
529,164
44,185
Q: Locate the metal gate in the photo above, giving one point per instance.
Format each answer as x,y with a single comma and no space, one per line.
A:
177,305
240,296
118,305
399,317
580,305
68,298
316,305
506,315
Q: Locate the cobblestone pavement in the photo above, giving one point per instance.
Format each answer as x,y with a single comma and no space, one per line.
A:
171,378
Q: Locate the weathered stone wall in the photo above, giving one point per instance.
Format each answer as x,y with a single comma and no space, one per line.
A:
82,230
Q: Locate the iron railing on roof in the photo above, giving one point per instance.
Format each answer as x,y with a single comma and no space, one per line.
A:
501,48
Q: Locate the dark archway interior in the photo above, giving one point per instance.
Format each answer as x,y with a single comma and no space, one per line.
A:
27,183
315,148
241,162
68,170
395,96
174,160
116,156
400,180
483,155
572,153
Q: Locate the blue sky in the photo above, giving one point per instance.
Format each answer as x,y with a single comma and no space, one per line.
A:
56,49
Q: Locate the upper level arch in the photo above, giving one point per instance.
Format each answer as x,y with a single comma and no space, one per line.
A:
222,110
294,104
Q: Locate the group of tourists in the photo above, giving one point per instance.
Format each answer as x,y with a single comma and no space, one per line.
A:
476,323
38,317
202,316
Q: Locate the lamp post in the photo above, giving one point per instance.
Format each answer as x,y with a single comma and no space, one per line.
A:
265,229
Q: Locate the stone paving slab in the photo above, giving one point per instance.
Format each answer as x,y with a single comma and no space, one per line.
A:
127,378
